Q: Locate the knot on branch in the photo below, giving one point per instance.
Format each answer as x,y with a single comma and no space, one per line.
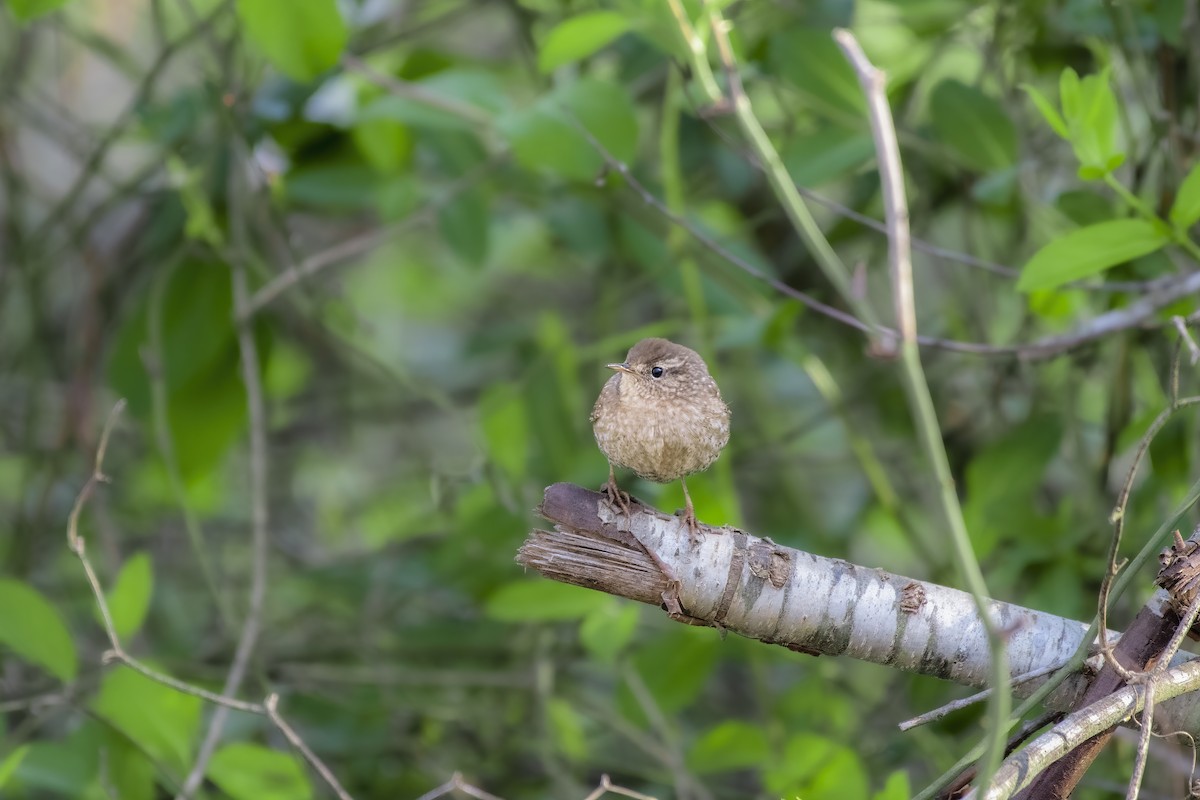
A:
1179,574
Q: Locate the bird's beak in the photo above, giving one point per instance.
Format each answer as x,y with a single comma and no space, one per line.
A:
622,367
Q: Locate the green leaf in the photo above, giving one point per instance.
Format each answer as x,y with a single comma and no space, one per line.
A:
546,137
301,40
10,763
129,598
567,727
606,111
191,305
1185,211
973,125
1068,93
820,158
63,767
1169,16
1090,111
1169,451
465,224
160,720
483,89
246,771
542,600
608,629
476,92
414,114
675,668
811,61
127,774
192,188
1003,478
1048,111
816,768
1098,114
505,428
1084,207
26,10
336,186
579,37
32,629
1088,251
385,143
729,746
896,787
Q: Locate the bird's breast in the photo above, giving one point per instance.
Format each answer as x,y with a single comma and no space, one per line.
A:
661,438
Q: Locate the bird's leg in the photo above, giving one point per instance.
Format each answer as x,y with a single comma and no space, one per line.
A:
617,498
689,512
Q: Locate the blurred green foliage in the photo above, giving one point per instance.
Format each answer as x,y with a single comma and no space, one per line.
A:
462,264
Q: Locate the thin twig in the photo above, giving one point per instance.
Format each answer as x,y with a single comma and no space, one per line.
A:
77,546
1080,726
1117,518
944,253
658,720
1185,336
418,93
1143,746
117,652
457,784
607,786
1150,680
956,705
365,241
891,176
1131,316
90,167
793,204
271,708
259,510
891,179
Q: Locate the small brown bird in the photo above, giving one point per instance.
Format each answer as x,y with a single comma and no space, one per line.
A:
661,416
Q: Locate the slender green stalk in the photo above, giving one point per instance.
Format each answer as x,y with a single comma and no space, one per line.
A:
1179,237
1150,549
777,175
689,272
891,178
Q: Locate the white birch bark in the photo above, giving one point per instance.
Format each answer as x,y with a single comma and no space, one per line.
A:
776,594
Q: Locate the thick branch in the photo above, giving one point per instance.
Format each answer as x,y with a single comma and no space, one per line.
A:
758,589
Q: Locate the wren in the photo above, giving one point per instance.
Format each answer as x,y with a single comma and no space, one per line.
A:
662,416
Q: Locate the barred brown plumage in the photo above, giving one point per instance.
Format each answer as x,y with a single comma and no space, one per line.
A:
662,416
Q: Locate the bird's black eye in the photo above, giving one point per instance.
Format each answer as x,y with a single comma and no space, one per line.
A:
657,372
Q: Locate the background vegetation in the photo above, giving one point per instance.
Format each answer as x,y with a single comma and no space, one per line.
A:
432,262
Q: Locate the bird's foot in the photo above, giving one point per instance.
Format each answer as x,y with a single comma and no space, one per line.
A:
692,525
618,500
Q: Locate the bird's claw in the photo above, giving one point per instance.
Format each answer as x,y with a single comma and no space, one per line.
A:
693,526
618,499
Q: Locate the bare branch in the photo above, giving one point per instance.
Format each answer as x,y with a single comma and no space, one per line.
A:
1137,314
259,510
364,242
272,712
756,588
117,652
1077,728
891,176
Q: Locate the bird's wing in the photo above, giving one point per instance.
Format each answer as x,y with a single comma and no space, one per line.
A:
607,394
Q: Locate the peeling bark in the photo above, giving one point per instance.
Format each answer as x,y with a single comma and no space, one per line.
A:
751,586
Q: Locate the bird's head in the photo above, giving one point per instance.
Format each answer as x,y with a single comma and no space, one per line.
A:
662,367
